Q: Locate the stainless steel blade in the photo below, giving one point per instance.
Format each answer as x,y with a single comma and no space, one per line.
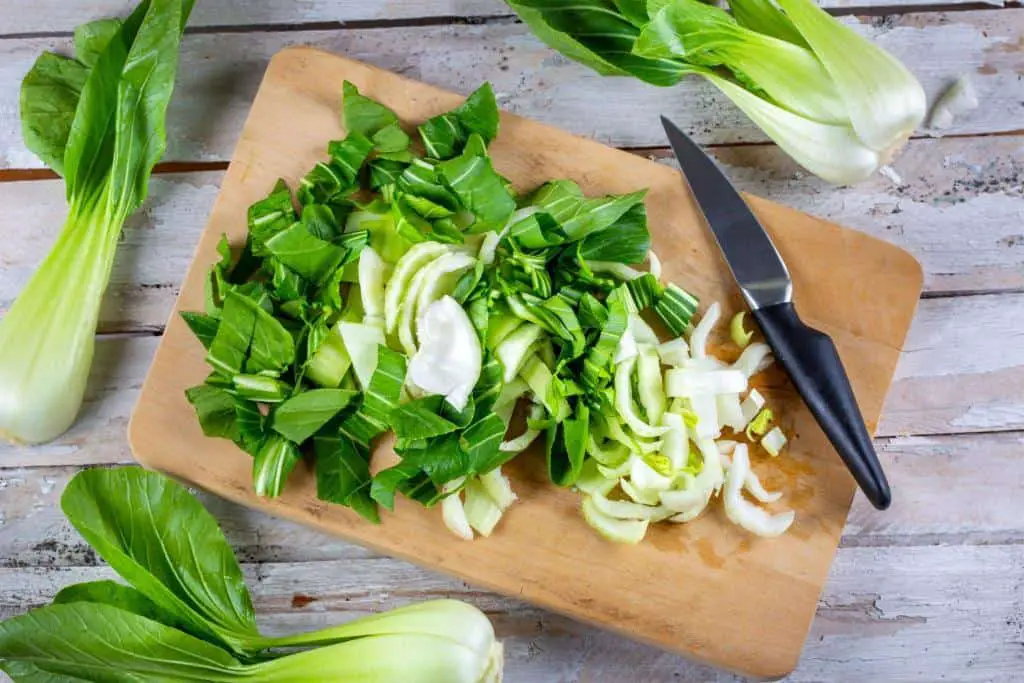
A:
753,259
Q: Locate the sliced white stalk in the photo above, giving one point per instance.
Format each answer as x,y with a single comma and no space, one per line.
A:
612,455
411,262
452,511
624,401
511,392
742,512
654,264
642,332
640,495
884,101
704,364
686,383
754,359
752,485
438,278
618,530
676,443
740,336
692,501
362,342
730,412
615,269
618,471
488,247
650,389
831,151
705,408
675,352
449,360
482,512
499,487
515,348
752,405
774,441
521,442
699,337
426,279
624,509
643,476
591,480
726,446
372,272
626,348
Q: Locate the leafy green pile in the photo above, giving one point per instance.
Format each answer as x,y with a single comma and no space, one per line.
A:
186,614
310,331
97,120
838,104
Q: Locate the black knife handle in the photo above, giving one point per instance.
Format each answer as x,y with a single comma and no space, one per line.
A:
811,359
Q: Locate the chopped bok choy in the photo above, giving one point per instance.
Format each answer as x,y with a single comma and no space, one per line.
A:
425,296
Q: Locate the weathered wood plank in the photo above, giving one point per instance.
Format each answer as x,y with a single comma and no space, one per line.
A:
959,212
962,371
907,614
52,16
221,73
949,489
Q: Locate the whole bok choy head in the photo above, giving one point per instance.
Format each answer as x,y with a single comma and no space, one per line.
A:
98,120
186,615
838,104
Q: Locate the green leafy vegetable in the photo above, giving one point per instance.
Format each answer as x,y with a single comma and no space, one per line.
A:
187,615
838,104
98,121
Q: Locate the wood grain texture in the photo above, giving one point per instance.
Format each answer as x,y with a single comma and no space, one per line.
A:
958,212
907,614
222,71
52,16
980,509
533,555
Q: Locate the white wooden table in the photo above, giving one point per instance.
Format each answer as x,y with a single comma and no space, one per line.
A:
932,589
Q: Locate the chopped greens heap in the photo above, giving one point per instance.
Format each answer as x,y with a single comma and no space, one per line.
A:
419,293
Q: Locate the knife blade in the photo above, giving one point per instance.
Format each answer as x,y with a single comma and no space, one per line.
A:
808,355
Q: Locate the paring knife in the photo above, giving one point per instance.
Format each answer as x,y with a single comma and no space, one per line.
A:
809,356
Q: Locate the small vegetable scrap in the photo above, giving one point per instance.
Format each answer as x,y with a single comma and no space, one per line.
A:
420,293
184,613
98,121
840,105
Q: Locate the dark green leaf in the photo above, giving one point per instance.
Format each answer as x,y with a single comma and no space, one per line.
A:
215,409
202,325
627,240
95,642
270,216
120,596
381,397
645,291
322,222
385,172
250,425
322,184
228,350
537,231
592,313
404,477
92,39
442,136
479,188
306,254
343,474
446,135
676,308
442,459
566,446
596,34
162,541
390,139
363,115
420,419
481,443
272,348
49,96
349,155
302,416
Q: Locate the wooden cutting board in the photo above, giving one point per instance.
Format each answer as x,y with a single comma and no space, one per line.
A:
707,589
